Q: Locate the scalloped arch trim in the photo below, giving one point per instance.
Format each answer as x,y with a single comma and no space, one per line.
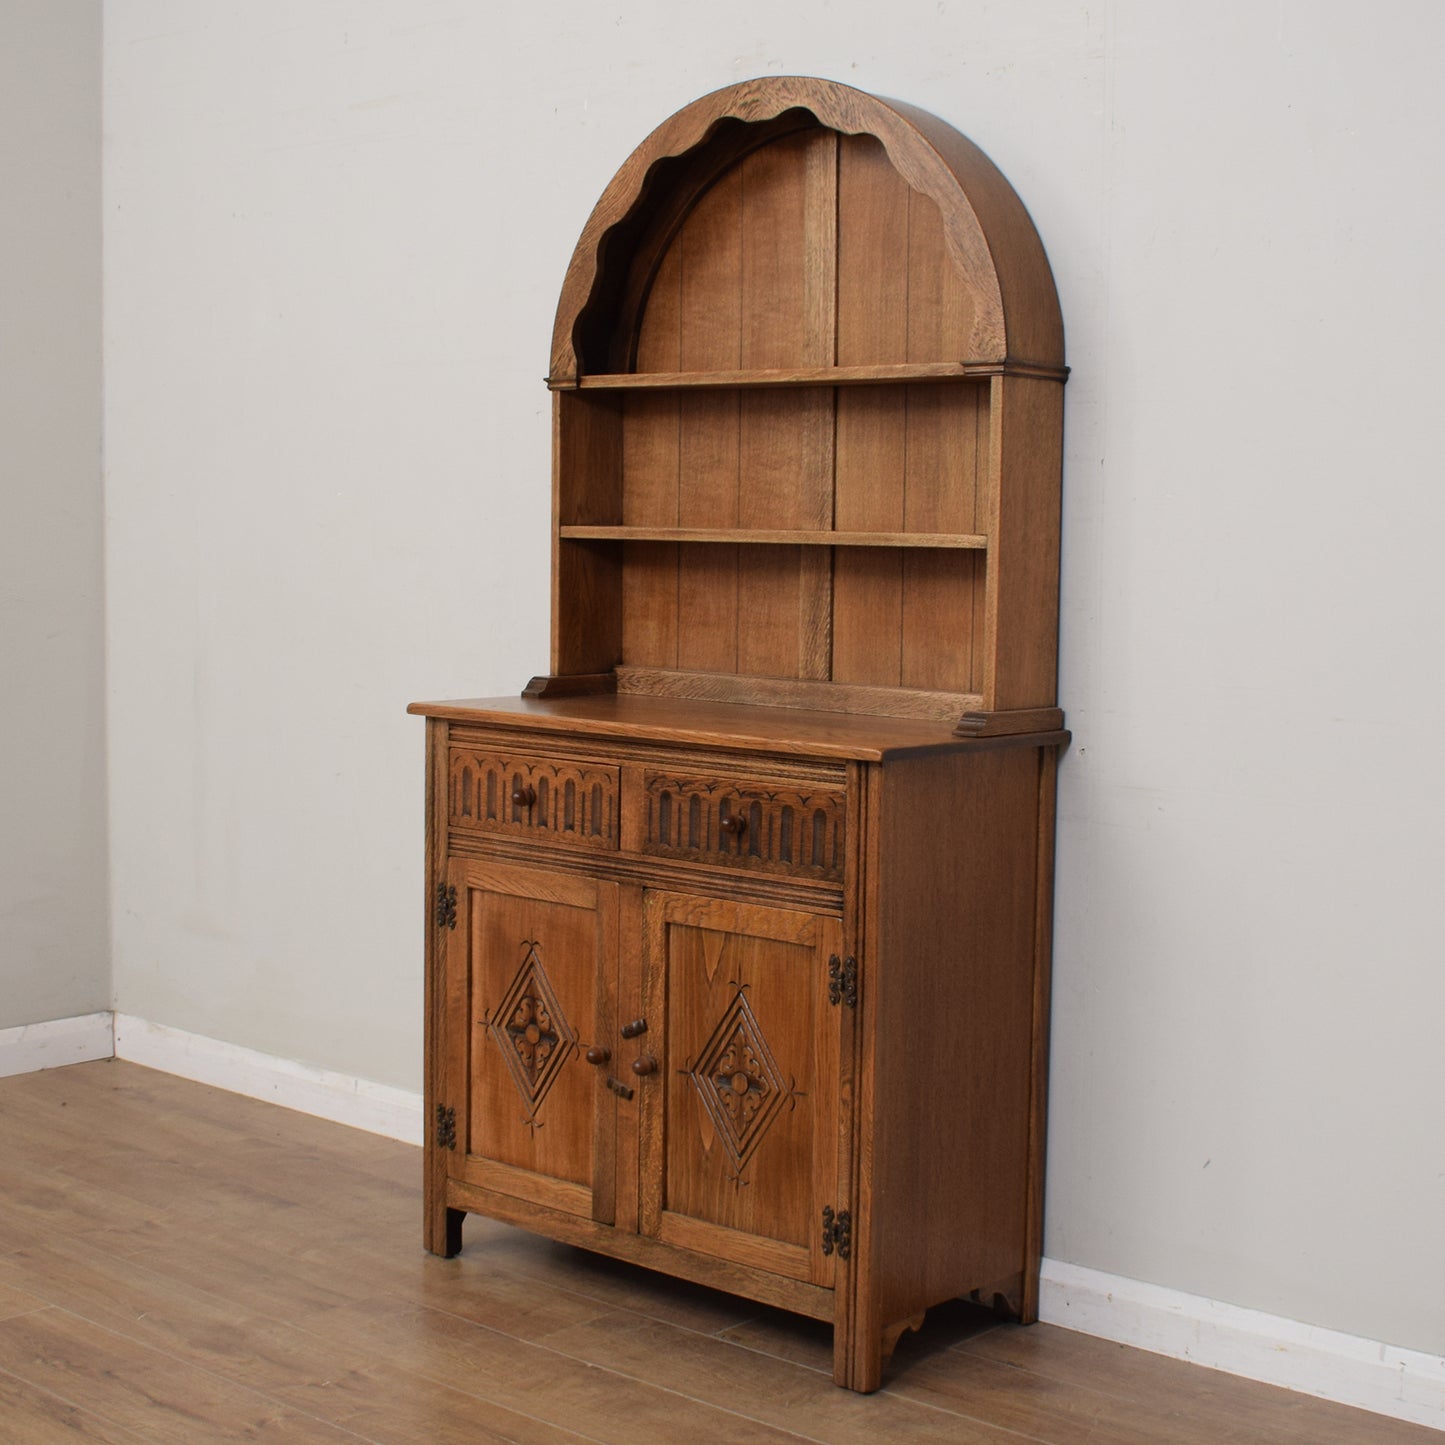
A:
984,222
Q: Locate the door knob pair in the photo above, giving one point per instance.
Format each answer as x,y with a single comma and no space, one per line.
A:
643,1065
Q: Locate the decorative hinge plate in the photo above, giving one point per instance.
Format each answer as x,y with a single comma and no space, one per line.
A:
837,1232
446,1127
446,905
843,981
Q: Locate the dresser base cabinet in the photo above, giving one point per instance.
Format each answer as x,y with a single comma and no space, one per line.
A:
816,1083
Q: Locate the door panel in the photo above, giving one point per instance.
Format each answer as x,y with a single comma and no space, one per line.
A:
740,1123
530,990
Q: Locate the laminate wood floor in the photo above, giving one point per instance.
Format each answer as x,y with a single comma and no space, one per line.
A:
182,1264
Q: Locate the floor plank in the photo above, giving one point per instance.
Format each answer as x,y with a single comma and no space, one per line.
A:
144,1390
1204,1405
777,1390
182,1264
37,1417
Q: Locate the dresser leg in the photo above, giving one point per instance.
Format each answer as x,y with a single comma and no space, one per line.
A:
444,1231
857,1364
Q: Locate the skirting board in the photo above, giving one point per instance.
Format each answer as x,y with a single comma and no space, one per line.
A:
1406,1384
1388,1380
343,1098
49,1045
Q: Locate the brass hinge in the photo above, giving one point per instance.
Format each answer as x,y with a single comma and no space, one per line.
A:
446,905
837,1232
843,981
446,1127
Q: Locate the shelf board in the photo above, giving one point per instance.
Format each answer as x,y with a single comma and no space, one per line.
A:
746,536
805,376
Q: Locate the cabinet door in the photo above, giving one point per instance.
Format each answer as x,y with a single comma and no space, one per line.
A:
740,1141
530,969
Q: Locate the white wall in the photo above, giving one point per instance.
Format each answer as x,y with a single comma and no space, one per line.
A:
335,236
54,936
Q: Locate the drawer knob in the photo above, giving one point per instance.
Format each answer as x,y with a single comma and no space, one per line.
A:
598,1054
644,1066
524,795
631,1031
733,824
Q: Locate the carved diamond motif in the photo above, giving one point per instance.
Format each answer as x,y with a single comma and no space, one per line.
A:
739,1081
532,1032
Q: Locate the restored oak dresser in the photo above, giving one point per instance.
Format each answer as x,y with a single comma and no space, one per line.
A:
738,919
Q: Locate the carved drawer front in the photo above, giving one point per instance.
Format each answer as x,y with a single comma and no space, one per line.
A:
771,827
558,800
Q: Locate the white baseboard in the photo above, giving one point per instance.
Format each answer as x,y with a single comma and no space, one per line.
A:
1386,1379
49,1045
343,1098
1407,1384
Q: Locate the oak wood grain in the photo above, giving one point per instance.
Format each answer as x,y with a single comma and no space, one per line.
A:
746,1154
39,1417
780,537
529,987
672,379
1017,316
799,731
145,1390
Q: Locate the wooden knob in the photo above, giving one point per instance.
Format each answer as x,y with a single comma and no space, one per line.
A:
644,1065
733,824
524,795
631,1031
597,1054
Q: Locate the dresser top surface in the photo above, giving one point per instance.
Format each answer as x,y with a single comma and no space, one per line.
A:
705,724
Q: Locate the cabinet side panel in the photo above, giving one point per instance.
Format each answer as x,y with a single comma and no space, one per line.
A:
951,997
1024,543
587,608
434,1176
586,576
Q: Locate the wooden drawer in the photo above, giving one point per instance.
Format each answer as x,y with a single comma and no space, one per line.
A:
559,800
773,827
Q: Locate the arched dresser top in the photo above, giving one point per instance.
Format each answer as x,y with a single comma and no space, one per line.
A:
988,234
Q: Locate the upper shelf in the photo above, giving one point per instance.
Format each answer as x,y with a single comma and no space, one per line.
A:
917,371
779,537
